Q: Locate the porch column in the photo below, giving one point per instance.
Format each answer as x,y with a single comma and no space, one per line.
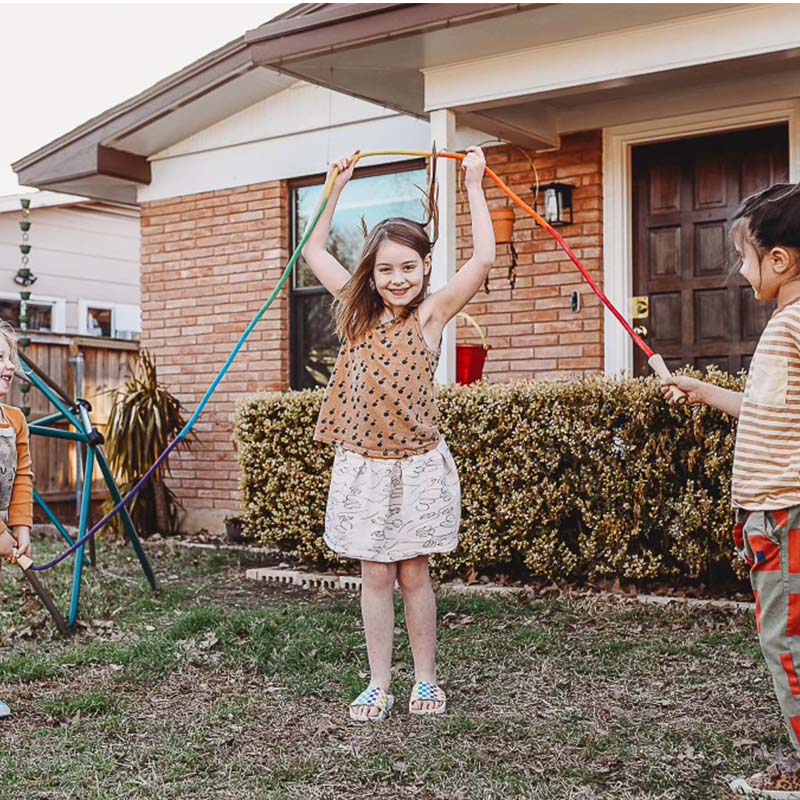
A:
443,133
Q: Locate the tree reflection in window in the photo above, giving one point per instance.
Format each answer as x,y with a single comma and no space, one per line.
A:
375,197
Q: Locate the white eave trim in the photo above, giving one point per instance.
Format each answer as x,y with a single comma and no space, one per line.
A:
691,41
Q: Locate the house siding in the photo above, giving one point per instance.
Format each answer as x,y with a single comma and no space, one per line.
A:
79,252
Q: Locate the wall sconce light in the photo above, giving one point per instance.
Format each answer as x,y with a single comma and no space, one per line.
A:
557,203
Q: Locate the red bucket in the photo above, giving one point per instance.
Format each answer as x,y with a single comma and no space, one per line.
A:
470,359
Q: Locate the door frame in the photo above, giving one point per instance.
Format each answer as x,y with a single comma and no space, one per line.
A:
618,143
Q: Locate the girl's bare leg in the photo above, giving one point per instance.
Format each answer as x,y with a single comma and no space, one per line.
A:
377,610
420,604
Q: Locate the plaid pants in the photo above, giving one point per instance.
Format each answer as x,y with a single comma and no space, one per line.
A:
769,541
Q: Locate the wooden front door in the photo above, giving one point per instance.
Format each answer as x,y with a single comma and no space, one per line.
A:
684,195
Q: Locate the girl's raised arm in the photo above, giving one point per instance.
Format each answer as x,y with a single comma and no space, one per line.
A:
330,273
443,305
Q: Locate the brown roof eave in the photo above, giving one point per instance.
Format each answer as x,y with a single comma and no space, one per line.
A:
353,24
153,102
107,161
332,14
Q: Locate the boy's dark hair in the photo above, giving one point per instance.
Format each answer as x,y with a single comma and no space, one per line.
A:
771,217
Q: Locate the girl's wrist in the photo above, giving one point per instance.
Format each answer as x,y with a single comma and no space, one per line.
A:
705,391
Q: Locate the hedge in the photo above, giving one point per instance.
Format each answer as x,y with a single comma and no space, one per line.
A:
584,480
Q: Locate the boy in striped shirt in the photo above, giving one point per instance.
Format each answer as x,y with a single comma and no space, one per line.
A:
766,469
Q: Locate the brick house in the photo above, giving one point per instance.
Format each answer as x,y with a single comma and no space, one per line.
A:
660,117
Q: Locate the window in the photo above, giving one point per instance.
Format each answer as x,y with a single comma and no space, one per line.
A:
98,321
40,315
45,314
109,320
377,195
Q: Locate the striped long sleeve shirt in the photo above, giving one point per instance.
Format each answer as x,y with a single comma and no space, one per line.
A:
766,465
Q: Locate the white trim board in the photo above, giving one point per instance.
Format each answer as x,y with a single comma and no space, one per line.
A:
720,35
618,142
443,132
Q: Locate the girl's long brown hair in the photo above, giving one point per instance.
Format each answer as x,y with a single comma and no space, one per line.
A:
358,306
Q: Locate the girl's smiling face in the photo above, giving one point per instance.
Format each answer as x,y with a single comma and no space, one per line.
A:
6,367
399,273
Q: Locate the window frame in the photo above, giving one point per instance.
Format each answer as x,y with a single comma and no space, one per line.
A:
58,309
104,305
296,335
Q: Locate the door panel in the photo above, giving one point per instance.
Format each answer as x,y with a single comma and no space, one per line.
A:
684,196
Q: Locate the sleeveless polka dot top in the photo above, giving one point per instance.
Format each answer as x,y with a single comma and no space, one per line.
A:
380,398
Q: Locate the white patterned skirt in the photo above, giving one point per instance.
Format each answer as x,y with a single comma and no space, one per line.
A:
387,511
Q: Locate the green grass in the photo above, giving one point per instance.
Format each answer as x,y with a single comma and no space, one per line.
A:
87,704
217,689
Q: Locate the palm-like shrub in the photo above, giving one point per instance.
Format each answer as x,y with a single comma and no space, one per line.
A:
144,419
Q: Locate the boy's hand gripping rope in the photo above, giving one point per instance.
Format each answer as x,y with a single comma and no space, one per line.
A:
655,361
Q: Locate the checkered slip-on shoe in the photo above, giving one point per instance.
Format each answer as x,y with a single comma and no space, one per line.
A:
374,697
422,692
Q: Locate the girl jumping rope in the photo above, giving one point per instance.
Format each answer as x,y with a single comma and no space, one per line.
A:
16,478
766,468
395,496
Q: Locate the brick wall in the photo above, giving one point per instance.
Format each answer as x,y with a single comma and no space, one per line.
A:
532,330
209,262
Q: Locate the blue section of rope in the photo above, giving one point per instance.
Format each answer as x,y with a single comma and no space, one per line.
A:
203,403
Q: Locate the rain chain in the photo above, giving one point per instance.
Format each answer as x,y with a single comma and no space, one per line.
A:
25,278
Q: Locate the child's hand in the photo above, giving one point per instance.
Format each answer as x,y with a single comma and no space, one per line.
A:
474,164
691,387
7,546
23,536
345,166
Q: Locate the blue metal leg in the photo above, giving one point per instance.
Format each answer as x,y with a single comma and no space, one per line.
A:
85,521
126,518
53,518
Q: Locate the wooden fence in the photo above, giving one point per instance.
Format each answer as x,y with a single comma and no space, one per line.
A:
106,367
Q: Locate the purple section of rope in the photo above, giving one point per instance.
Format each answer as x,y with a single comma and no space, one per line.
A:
111,514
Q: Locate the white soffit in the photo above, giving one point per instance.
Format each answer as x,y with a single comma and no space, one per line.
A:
280,158
10,202
390,70
180,122
719,35
300,108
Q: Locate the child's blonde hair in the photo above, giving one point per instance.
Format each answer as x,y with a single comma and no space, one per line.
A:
8,333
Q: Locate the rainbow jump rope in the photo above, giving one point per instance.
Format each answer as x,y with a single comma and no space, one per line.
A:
655,361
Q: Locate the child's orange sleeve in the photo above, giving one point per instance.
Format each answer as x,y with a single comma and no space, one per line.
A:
20,510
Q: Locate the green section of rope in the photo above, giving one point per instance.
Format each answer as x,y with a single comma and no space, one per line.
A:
275,292
204,402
